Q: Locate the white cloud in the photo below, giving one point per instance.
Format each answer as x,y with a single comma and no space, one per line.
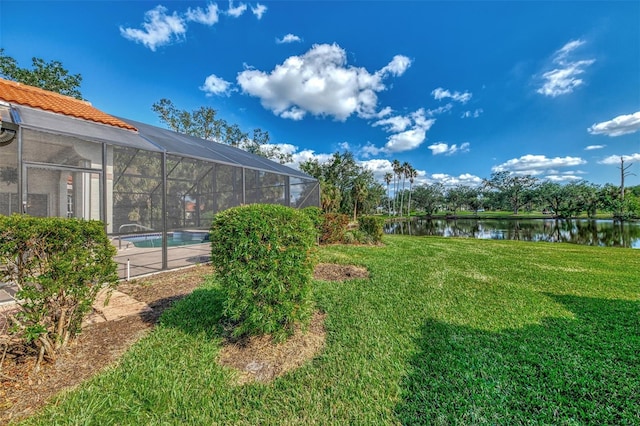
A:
474,114
440,93
592,147
412,135
206,17
369,149
319,82
406,141
344,146
439,110
398,65
394,124
285,148
380,167
615,159
562,178
443,148
621,125
536,164
159,28
259,10
306,155
384,112
214,85
294,113
449,181
439,148
237,11
289,38
563,79
565,50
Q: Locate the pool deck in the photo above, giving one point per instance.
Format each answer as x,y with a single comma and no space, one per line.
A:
136,261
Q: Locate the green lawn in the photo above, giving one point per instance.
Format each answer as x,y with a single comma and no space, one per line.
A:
445,331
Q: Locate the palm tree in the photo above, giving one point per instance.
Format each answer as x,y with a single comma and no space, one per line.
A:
397,170
387,178
404,171
413,173
360,192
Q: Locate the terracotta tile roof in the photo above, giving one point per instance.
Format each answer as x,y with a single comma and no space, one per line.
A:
34,97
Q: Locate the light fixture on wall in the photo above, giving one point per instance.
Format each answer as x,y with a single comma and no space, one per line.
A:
8,132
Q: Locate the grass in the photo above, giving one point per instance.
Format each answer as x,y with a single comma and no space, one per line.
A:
445,331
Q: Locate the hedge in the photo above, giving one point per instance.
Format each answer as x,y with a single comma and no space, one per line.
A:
264,258
59,265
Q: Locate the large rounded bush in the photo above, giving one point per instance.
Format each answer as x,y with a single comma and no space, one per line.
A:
263,255
59,266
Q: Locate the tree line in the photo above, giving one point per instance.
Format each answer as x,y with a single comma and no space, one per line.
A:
350,188
506,192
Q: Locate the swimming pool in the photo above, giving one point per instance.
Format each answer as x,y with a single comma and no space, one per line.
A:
176,238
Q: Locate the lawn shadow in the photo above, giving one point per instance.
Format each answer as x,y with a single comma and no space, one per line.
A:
563,371
158,307
198,313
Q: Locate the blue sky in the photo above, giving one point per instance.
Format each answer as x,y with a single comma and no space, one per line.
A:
457,89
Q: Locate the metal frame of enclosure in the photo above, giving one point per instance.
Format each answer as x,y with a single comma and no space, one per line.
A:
156,190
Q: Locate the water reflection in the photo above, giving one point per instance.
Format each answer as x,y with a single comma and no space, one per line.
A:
607,233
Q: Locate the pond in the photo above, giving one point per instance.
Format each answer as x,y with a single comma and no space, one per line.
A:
592,232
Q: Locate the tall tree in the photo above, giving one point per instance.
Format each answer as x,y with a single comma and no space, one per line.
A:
457,197
359,190
353,186
474,199
512,186
234,136
568,200
404,172
260,144
623,174
387,179
551,196
202,123
50,75
429,197
412,176
397,171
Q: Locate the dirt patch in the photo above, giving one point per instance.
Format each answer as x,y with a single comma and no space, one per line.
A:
260,359
335,272
23,392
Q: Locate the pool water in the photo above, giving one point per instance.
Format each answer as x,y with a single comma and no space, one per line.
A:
177,238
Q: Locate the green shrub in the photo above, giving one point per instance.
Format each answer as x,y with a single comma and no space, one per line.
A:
355,236
59,265
263,255
372,226
334,228
317,218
